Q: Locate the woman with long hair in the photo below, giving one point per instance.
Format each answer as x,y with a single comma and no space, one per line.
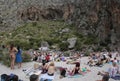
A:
19,57
12,52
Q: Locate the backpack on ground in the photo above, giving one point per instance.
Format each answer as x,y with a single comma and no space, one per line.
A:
12,77
4,77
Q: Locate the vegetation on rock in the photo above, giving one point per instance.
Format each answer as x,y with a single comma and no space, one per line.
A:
32,34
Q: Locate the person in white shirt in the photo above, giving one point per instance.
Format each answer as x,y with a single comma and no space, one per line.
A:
113,70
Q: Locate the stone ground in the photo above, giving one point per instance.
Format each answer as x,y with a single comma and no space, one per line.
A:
91,76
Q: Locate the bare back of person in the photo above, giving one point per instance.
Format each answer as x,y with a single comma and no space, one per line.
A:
13,52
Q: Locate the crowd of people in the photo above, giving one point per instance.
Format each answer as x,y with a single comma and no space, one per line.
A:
48,69
95,59
98,59
112,72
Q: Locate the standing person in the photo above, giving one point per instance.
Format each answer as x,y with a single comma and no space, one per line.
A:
12,52
19,57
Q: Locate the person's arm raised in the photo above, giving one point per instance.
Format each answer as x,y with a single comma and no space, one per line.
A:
15,49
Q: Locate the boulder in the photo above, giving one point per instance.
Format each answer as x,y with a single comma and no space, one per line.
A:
44,44
65,30
72,42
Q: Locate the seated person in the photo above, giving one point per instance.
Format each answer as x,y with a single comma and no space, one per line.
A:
110,55
44,68
51,69
104,59
115,60
94,57
112,72
35,57
91,63
49,76
62,72
99,63
47,58
34,77
119,70
76,70
105,76
62,58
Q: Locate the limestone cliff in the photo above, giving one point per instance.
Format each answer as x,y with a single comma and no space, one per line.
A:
99,18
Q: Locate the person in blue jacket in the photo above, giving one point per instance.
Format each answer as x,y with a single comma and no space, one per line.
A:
19,57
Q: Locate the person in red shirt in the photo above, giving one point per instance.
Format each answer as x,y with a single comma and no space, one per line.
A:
47,57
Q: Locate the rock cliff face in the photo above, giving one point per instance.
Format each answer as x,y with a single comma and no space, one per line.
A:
99,18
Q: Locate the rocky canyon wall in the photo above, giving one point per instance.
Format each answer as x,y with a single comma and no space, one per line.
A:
99,18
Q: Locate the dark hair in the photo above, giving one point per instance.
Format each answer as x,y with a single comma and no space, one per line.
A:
18,47
43,64
106,77
63,72
15,78
33,77
77,64
11,46
3,46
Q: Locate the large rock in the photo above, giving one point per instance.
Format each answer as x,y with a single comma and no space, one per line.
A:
72,42
44,44
66,30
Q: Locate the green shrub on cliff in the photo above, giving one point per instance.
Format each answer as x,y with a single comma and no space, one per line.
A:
31,34
63,46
